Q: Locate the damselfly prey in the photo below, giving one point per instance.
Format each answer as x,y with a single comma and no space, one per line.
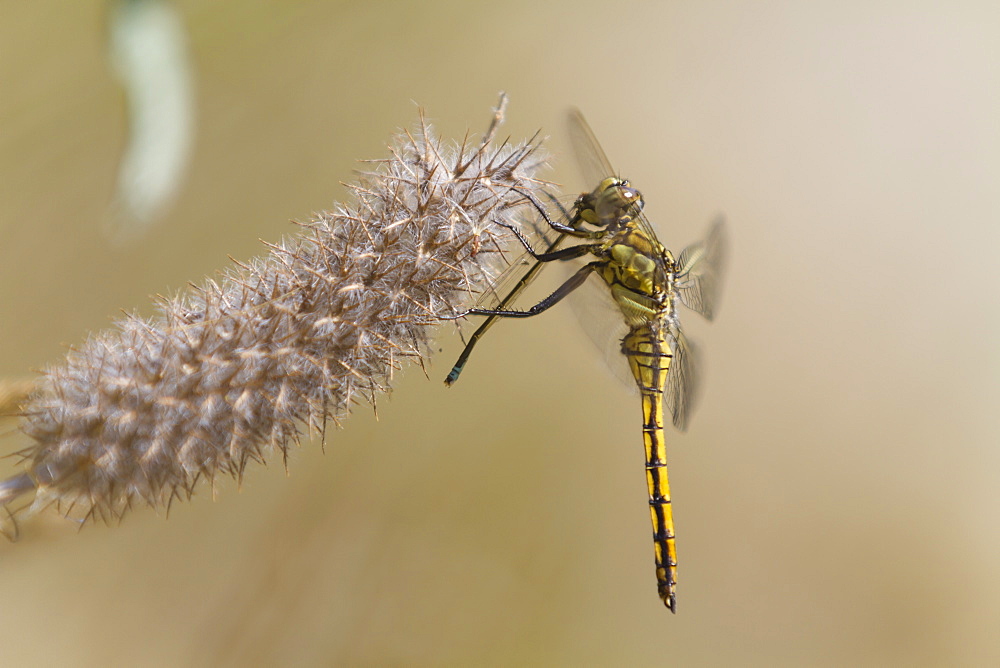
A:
645,283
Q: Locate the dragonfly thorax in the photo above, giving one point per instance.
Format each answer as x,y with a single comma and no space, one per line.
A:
639,272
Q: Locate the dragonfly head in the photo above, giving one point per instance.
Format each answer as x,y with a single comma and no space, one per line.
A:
612,201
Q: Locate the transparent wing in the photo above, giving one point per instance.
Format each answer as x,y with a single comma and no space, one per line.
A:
682,380
699,270
592,303
698,284
589,155
594,161
601,318
603,323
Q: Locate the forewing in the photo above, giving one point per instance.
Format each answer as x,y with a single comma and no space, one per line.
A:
594,162
589,155
699,271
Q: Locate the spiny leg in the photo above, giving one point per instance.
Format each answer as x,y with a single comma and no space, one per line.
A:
562,254
571,284
456,370
523,282
572,229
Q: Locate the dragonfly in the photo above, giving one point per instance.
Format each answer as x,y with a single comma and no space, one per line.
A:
645,283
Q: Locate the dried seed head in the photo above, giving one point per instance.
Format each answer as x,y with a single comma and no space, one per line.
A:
13,392
231,370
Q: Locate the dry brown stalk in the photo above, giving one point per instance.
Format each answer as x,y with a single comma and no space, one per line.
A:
232,369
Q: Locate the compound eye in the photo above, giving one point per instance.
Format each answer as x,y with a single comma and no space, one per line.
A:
632,197
607,184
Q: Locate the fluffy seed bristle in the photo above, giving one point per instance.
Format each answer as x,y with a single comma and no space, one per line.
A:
231,370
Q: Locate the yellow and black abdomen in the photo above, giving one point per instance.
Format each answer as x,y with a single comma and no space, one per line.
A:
649,357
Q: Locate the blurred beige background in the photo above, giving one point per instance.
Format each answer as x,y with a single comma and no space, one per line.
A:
836,496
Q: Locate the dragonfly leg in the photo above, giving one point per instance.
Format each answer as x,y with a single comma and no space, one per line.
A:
456,370
563,228
559,205
571,284
562,254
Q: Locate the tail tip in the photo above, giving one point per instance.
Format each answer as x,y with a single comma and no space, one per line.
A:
452,377
669,598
